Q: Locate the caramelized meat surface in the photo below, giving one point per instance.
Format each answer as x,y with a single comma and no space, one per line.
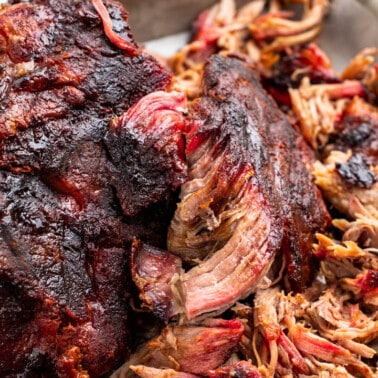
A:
63,234
146,146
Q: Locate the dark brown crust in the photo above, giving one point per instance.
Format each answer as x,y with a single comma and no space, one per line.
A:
149,159
302,207
62,232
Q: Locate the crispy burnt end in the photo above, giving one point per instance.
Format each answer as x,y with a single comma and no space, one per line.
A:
146,146
63,234
66,281
356,172
358,131
292,65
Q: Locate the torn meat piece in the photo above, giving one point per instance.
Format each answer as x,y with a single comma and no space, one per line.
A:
322,349
208,25
154,271
350,200
282,353
363,231
63,237
242,369
190,348
342,332
356,172
207,29
364,286
267,322
339,260
338,319
293,65
229,208
146,147
277,24
150,372
357,131
289,356
279,32
318,108
245,183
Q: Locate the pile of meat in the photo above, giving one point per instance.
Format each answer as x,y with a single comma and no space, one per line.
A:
66,215
172,221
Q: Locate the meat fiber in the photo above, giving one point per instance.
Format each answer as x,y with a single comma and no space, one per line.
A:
335,341
63,232
241,369
191,348
248,193
153,271
248,196
147,372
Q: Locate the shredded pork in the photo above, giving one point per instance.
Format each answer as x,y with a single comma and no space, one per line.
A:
329,329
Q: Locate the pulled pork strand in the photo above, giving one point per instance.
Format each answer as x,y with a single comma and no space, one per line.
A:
117,40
